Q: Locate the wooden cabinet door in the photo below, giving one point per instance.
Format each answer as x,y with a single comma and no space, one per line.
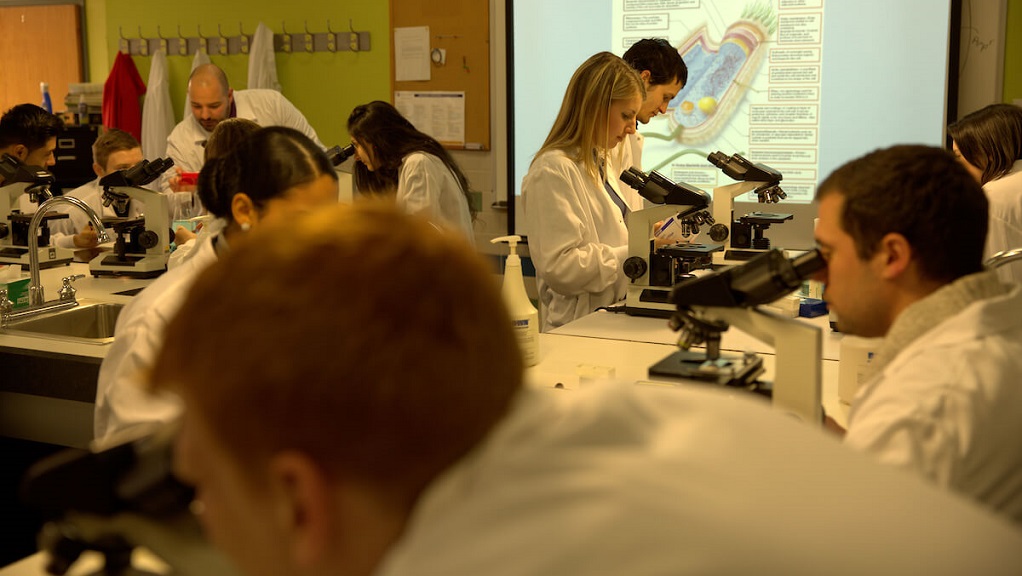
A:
39,44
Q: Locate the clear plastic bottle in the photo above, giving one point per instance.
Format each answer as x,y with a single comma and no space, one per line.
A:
83,110
524,318
47,103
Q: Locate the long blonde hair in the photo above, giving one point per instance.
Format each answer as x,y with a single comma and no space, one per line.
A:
585,110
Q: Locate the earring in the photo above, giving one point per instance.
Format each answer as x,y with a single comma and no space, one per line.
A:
245,226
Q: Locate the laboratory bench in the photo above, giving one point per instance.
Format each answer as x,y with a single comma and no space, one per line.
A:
48,389
621,326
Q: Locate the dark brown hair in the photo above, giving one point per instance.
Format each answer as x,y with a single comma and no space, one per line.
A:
922,193
990,139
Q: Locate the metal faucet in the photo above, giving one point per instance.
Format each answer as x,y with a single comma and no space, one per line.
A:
35,287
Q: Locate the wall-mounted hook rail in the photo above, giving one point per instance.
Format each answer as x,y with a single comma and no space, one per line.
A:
307,41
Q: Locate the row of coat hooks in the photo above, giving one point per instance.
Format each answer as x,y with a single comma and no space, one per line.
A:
287,42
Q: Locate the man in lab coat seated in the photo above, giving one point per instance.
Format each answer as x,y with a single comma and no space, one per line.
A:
29,133
213,100
112,151
334,426
903,231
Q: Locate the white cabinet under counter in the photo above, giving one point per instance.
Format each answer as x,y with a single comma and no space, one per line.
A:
47,385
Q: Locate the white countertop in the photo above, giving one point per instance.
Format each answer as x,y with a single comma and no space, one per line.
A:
89,289
564,357
620,326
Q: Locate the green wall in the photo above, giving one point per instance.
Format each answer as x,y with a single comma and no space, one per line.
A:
324,86
1013,52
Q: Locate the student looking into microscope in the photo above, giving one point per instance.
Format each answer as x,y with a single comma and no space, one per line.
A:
394,157
276,173
574,203
942,397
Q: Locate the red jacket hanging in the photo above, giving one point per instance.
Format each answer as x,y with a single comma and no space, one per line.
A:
121,94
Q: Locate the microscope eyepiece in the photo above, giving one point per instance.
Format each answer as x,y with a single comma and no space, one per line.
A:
338,155
739,168
807,264
718,159
138,175
658,189
634,178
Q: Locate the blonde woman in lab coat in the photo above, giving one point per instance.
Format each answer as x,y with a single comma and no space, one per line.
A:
988,143
274,175
574,205
394,157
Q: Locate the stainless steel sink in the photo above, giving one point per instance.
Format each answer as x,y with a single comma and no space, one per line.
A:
90,323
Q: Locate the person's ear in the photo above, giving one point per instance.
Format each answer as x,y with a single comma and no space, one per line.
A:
646,75
20,151
893,256
304,507
100,172
243,210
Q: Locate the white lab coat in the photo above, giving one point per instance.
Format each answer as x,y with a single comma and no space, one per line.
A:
949,405
91,194
426,186
63,230
157,110
186,251
577,237
634,143
637,480
1005,232
265,107
262,62
121,400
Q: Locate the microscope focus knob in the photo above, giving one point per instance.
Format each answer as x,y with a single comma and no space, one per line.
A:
148,239
719,232
634,267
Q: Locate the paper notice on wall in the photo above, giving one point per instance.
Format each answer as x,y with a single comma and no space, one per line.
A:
439,114
411,53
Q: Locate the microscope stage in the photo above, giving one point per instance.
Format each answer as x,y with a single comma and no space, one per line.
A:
728,370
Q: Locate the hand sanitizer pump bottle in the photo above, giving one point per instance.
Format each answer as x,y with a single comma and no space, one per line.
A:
524,318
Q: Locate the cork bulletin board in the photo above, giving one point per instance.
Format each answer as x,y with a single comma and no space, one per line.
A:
461,30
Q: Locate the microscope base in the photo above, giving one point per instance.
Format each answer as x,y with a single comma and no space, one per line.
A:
49,256
736,256
131,266
728,370
650,302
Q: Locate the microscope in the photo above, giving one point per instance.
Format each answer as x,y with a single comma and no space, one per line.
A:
115,499
17,179
654,270
707,306
745,233
338,155
142,247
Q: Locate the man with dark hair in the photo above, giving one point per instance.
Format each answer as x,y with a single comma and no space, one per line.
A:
903,231
663,73
29,133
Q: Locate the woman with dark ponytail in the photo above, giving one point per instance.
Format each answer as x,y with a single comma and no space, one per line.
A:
272,175
393,157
